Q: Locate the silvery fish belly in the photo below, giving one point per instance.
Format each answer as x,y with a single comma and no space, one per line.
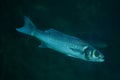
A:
63,43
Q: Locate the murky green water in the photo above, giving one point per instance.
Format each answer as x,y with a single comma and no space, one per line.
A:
91,20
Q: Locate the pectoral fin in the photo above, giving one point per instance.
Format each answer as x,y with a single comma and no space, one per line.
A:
42,45
76,50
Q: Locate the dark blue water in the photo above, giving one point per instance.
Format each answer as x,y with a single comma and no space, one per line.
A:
20,57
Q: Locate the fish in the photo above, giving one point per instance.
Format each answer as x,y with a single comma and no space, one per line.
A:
69,45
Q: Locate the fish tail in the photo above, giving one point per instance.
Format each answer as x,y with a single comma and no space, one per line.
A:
28,28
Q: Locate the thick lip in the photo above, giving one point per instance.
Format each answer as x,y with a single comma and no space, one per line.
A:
102,60
99,60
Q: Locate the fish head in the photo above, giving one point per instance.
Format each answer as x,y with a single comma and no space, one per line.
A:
92,54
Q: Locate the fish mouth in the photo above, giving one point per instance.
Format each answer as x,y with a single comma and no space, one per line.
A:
101,60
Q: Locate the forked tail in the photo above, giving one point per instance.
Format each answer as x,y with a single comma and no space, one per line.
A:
28,28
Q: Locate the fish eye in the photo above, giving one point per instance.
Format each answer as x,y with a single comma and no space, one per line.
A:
96,54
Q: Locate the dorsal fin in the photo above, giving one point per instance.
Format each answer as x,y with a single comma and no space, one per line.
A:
51,30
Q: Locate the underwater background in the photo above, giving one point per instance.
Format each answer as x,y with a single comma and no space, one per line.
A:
91,20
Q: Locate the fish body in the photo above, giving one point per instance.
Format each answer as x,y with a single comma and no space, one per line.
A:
61,42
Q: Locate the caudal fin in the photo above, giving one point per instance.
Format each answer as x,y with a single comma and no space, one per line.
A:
28,27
